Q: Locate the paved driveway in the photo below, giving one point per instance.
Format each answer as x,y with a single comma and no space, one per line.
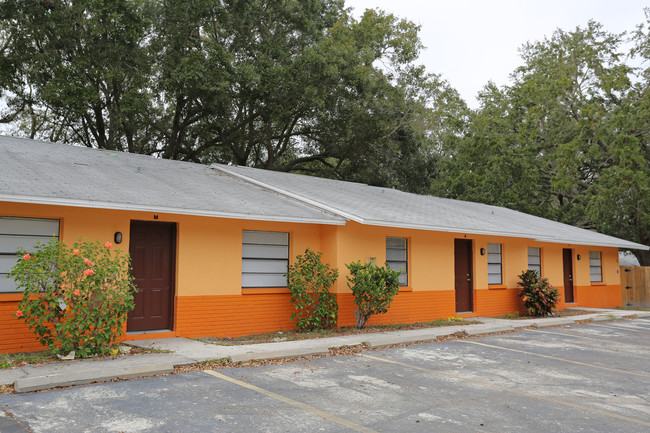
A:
591,378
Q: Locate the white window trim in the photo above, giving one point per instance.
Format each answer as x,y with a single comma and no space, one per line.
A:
398,263
596,262
492,255
17,232
265,259
535,266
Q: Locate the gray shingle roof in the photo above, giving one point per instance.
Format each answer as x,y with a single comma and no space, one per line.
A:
38,172
392,208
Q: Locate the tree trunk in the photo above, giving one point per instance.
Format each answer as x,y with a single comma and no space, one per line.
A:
361,319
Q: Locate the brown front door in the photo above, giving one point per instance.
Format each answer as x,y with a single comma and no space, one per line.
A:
463,274
152,257
567,259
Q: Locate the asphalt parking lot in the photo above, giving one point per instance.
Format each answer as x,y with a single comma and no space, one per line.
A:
582,378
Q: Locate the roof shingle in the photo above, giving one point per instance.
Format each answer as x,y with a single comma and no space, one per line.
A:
38,172
389,207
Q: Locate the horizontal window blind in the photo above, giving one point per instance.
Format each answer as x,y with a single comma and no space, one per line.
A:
535,259
494,264
265,259
396,257
23,233
595,267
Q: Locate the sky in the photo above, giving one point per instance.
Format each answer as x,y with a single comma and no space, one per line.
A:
471,42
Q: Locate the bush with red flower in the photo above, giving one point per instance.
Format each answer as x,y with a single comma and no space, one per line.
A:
75,299
540,298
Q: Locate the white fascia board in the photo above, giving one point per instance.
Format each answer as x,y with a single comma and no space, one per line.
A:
623,244
459,230
298,197
170,210
532,236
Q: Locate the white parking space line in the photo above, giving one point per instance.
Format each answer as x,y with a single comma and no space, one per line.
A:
620,328
321,413
511,390
584,364
573,335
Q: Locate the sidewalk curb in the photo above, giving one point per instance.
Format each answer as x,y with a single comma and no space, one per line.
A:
603,318
37,383
274,354
554,322
489,329
389,340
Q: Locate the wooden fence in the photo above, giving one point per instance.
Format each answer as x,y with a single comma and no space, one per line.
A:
635,285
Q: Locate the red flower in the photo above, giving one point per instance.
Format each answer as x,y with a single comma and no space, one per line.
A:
88,262
76,292
19,313
26,257
88,272
108,245
75,252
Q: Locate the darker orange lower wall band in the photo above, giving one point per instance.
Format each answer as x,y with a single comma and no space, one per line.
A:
237,315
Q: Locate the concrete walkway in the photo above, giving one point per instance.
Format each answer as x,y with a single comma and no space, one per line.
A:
184,351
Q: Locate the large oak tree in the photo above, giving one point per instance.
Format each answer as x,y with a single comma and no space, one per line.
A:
297,85
567,139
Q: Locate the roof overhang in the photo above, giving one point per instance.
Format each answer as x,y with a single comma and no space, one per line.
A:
163,209
510,234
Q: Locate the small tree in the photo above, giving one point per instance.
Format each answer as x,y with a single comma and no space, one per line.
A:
540,298
74,299
373,288
309,281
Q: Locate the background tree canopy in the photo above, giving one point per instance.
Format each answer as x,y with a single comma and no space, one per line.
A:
296,85
301,86
567,140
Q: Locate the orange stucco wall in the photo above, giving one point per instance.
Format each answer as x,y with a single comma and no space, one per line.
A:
209,299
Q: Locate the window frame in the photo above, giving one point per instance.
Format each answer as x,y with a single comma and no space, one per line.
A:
535,266
405,267
492,255
31,236
251,259
598,266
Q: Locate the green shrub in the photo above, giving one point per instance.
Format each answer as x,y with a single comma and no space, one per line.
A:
540,298
309,281
74,299
373,288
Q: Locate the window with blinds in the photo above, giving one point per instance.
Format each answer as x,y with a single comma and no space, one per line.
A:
494,264
535,260
595,266
23,233
265,259
397,257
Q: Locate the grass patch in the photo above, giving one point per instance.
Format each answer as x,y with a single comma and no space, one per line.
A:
294,335
21,359
512,316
